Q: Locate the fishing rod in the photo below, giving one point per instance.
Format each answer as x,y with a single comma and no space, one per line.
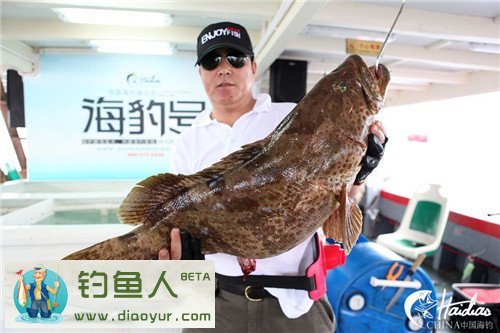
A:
379,56
57,279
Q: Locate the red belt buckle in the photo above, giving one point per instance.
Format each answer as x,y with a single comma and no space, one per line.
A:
329,257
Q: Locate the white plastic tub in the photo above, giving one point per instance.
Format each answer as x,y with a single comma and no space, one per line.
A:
53,219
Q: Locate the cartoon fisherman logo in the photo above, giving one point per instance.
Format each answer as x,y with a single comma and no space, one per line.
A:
40,296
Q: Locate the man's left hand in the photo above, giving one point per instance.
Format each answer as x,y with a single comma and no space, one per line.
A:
374,152
378,130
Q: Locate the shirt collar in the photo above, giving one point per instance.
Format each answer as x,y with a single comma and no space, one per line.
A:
262,104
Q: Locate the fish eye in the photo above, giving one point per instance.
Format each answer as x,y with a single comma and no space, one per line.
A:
339,87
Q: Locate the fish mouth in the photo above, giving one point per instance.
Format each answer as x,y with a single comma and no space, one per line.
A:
372,99
371,95
382,77
373,83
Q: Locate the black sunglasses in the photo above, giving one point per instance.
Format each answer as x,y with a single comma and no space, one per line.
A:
235,58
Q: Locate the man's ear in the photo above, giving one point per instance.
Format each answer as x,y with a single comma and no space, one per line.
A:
254,67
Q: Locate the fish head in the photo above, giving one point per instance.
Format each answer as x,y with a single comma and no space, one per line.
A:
355,94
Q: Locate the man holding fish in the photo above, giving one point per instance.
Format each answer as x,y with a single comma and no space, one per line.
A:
274,301
39,293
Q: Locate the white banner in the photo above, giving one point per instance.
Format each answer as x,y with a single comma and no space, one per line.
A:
108,294
108,116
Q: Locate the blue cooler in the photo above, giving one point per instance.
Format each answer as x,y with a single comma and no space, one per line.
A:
360,307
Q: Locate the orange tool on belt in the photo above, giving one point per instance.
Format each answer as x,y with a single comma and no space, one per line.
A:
391,275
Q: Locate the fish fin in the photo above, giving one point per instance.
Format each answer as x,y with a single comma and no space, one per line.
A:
345,222
233,160
333,226
353,226
148,194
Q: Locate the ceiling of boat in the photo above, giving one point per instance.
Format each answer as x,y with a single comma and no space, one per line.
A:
439,49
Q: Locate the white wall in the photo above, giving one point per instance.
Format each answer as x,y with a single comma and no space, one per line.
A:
462,151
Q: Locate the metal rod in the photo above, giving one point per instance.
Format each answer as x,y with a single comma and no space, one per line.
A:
379,56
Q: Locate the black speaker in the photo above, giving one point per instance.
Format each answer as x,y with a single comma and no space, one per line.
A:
15,98
288,80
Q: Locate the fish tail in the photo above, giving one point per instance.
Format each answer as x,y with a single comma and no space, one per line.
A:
139,244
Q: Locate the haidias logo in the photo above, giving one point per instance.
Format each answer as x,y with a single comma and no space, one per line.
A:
40,296
137,78
421,302
229,31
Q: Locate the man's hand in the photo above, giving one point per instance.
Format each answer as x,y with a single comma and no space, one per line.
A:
378,130
175,247
374,152
182,247
191,248
56,284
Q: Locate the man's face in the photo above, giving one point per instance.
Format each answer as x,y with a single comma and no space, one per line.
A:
227,84
38,275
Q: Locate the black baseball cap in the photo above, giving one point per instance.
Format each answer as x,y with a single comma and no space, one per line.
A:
223,34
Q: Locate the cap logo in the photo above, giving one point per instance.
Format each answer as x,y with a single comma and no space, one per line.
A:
229,31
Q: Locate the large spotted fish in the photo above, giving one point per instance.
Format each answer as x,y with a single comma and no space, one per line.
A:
271,195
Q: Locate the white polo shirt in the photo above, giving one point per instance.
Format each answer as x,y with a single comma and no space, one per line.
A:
206,142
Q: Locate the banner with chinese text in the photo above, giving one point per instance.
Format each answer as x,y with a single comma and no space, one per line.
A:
108,294
101,117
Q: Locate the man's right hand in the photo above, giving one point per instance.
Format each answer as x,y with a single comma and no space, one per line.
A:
182,246
175,247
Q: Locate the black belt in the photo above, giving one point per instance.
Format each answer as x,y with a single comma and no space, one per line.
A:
250,292
252,287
